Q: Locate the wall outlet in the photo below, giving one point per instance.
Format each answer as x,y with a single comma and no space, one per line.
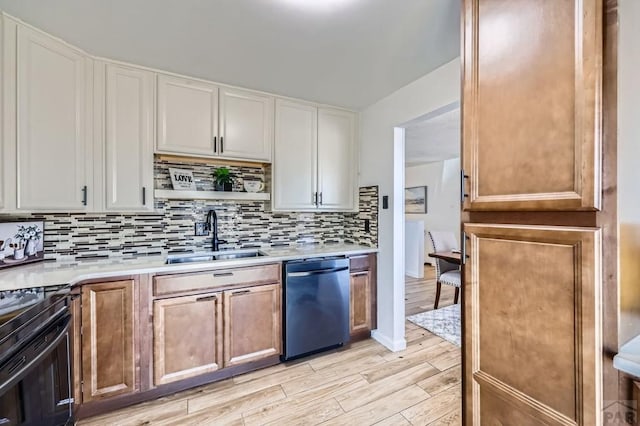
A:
201,229
367,226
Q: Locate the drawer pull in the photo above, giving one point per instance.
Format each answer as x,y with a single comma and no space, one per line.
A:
357,274
241,292
206,299
223,274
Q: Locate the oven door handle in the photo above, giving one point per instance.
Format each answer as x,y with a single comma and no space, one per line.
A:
26,366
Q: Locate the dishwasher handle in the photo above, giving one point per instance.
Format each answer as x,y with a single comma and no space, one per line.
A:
317,272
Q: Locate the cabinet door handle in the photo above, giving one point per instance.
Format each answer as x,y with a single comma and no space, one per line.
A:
463,194
241,292
221,144
321,198
206,298
315,198
223,274
84,195
144,196
215,144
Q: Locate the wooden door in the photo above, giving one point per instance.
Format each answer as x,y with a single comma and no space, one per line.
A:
295,156
533,325
532,154
246,125
54,142
360,302
252,324
129,138
187,116
336,159
187,337
108,340
531,104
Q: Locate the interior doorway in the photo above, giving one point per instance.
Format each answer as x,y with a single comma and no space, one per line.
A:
426,194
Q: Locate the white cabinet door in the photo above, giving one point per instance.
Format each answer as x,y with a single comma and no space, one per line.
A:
336,159
246,125
54,142
294,168
187,116
129,138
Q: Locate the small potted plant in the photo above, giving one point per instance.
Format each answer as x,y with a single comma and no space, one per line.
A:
222,179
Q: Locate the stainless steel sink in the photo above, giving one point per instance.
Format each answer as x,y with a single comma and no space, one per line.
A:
209,257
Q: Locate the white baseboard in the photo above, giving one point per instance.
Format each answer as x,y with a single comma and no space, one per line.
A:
392,345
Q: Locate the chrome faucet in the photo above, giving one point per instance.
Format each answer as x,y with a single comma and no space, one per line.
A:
212,220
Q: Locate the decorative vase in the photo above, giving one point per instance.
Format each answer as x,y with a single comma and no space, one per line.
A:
228,186
30,249
18,254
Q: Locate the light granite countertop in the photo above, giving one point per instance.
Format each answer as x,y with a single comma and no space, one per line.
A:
46,274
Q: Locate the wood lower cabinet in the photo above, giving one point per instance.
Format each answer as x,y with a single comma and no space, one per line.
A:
187,337
108,340
252,324
362,305
360,302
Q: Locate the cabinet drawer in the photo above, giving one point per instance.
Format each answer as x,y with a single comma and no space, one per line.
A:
191,283
360,263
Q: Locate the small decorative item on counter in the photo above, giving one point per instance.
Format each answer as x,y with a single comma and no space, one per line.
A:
253,185
20,243
223,180
182,179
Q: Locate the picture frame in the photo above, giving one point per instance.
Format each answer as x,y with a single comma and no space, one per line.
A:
415,200
21,243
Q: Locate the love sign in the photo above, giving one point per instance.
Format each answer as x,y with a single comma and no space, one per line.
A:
182,179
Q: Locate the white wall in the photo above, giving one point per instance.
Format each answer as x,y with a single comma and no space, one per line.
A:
432,91
629,168
442,179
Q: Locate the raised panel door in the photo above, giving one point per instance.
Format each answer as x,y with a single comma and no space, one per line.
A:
187,116
252,324
532,328
129,138
532,74
360,301
187,337
295,156
246,125
53,141
108,340
336,159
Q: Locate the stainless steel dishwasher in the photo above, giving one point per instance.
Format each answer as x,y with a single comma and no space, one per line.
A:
316,300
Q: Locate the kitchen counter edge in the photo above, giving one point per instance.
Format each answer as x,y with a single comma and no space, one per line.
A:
46,274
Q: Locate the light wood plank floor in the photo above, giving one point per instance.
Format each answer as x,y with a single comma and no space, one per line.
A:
364,384
420,293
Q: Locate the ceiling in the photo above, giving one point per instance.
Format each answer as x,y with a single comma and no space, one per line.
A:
436,138
349,53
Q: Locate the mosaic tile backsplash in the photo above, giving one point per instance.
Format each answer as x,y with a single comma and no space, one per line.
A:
171,228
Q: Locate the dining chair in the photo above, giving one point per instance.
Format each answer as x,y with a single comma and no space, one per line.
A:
446,272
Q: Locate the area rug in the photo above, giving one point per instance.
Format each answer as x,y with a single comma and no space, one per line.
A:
443,322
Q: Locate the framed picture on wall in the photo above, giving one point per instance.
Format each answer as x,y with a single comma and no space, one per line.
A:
415,200
21,243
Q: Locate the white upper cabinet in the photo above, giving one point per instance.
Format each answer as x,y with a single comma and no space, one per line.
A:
187,116
128,135
246,125
295,156
315,163
198,118
336,159
53,124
